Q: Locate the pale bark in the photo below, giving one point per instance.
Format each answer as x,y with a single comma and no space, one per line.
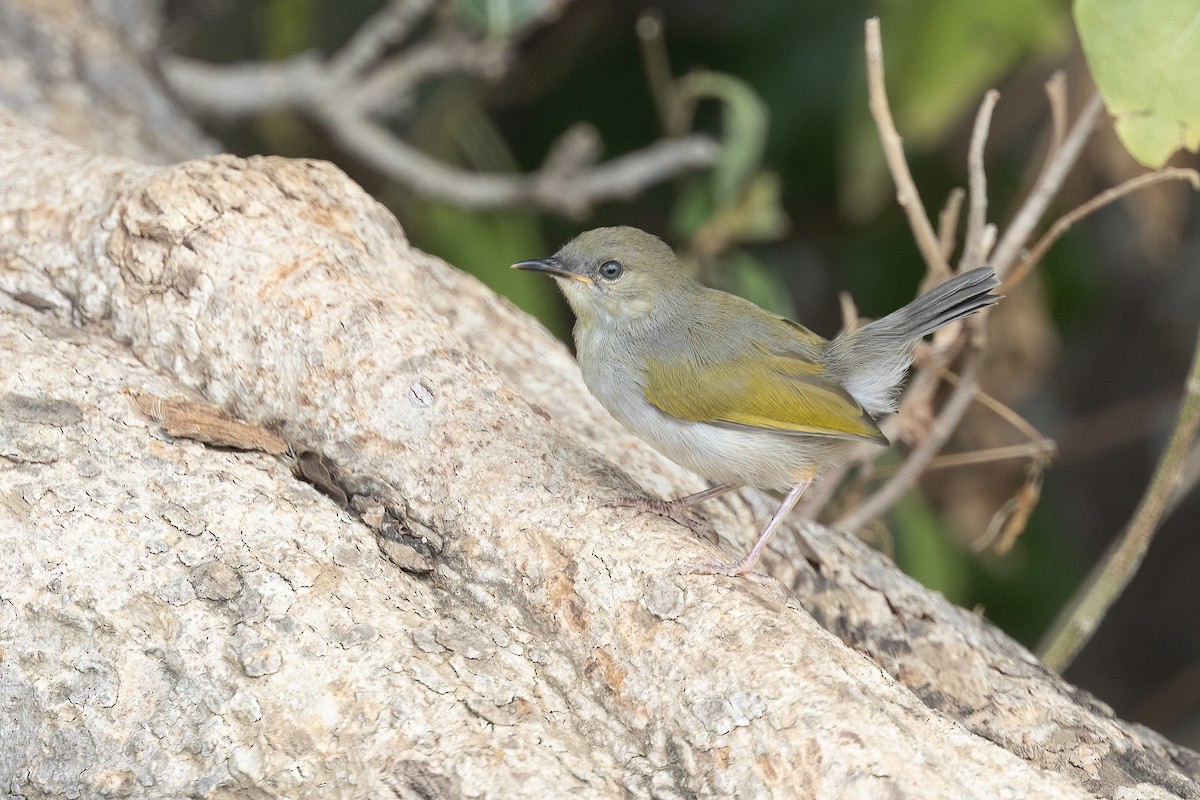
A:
189,620
177,620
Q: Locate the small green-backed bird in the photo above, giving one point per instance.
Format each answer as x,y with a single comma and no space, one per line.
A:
735,393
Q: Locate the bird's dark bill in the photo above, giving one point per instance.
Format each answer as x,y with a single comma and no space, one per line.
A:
550,266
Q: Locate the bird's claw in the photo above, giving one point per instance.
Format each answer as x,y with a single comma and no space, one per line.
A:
664,508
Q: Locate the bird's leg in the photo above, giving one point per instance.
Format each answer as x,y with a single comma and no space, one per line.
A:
745,566
674,509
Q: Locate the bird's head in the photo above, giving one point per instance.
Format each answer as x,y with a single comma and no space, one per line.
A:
617,274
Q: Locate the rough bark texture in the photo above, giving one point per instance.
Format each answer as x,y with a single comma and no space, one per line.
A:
195,621
177,620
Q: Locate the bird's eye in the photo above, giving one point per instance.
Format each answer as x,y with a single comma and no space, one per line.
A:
611,270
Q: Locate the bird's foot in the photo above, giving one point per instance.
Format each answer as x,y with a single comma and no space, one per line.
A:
671,509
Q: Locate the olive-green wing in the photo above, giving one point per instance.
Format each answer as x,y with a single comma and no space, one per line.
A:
767,390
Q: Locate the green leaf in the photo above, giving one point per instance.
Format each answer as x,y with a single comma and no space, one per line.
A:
1145,58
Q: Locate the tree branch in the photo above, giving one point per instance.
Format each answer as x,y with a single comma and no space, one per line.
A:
386,28
974,252
1008,249
1076,623
1064,223
351,93
893,150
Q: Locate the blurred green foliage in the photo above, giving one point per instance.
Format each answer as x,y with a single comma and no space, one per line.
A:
941,56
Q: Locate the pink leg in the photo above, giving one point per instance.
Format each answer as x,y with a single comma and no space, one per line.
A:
744,566
673,509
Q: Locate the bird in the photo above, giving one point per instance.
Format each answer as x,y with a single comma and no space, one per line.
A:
735,393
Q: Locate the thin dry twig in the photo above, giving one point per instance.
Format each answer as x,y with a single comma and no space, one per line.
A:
352,92
1189,476
1002,259
849,311
656,65
1056,95
973,243
893,150
1077,622
1011,519
1064,223
1008,249
1035,450
1007,414
948,222
565,190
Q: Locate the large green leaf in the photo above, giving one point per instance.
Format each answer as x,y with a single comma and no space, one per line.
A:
1145,58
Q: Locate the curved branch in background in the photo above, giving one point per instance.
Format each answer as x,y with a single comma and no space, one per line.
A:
1077,622
387,27
569,189
354,91
1106,197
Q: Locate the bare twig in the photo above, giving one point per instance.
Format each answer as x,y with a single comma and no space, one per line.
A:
893,150
1010,520
973,243
849,311
1007,414
948,222
1056,95
384,88
657,66
1045,188
352,92
980,237
1065,222
1009,452
1079,619
1189,476
238,90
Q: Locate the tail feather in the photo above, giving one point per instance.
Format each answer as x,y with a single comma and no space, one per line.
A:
958,297
871,361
